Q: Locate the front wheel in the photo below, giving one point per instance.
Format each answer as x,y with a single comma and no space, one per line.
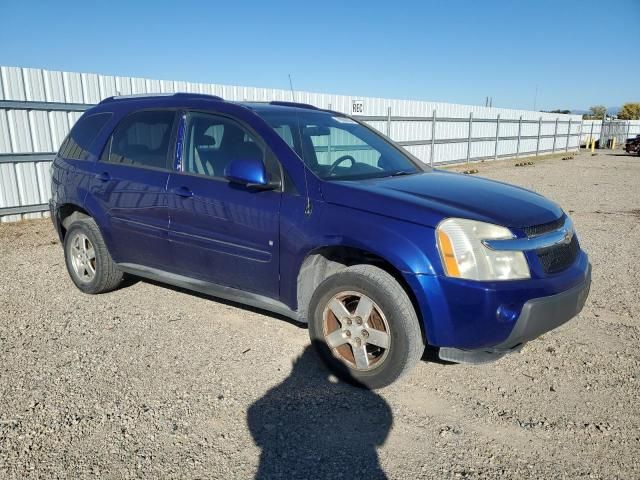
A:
364,326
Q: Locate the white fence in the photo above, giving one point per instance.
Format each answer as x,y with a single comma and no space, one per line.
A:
38,107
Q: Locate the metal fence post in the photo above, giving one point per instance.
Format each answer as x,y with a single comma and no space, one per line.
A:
433,138
555,136
495,153
469,139
389,122
603,133
580,134
591,135
519,132
566,147
329,143
538,142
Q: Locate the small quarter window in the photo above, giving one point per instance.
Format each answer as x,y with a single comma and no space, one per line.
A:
285,133
84,132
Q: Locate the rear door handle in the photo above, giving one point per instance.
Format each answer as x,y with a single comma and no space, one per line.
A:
183,192
103,177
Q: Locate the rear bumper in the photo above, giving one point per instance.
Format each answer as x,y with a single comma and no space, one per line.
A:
53,214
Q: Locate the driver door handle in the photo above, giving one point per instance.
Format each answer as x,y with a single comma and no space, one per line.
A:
184,192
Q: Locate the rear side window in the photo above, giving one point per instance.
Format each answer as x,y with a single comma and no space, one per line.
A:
142,139
76,145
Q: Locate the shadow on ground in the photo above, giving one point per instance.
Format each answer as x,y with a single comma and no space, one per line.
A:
430,354
312,427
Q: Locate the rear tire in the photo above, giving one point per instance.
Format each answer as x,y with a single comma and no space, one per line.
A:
372,349
88,261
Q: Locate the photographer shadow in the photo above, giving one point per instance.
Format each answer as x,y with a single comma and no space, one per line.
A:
312,427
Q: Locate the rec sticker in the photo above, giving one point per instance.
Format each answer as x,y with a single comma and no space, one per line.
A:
357,107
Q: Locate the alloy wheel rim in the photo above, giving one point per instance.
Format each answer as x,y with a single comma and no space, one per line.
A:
83,258
356,330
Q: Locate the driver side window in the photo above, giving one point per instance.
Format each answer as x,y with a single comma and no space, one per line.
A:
212,142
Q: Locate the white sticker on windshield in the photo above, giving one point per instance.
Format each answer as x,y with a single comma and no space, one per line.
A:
345,120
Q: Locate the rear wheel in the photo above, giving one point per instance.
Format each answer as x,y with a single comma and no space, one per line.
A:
364,326
88,261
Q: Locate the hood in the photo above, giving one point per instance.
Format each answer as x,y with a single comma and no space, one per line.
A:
427,198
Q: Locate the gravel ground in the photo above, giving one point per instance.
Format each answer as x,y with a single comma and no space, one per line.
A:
154,382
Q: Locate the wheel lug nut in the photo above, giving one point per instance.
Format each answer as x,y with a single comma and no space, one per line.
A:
347,333
358,320
349,321
358,341
365,334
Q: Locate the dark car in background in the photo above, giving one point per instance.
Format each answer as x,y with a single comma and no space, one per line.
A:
632,145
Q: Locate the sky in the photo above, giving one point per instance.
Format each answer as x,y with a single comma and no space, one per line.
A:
572,52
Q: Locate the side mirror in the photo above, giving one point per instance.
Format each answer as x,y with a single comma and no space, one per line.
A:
249,172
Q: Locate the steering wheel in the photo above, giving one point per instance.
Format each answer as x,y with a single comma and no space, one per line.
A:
339,161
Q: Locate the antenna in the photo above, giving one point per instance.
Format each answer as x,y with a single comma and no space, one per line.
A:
307,208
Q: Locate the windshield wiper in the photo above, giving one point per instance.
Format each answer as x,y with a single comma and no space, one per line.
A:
400,173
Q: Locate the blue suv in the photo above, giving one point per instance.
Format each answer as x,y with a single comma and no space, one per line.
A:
311,214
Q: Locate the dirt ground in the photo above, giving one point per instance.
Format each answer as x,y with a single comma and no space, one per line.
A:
153,382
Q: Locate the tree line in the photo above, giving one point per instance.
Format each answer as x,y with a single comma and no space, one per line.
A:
629,111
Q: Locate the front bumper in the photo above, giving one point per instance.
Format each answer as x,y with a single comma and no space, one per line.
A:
538,316
471,315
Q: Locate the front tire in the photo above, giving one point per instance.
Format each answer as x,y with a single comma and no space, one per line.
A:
364,326
88,261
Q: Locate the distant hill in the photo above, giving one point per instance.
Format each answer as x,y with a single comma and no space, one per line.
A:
610,111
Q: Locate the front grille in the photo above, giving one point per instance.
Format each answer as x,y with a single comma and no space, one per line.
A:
559,257
545,227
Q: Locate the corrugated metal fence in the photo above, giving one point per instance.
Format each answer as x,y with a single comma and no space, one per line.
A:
38,107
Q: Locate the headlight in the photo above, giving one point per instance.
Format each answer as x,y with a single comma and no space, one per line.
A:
464,255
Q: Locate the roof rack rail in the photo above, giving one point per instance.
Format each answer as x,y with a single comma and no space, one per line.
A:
198,95
294,104
153,95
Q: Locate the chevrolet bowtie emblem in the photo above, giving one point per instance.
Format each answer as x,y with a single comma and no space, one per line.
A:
567,236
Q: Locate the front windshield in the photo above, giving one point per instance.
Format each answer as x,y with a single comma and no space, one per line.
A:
338,148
